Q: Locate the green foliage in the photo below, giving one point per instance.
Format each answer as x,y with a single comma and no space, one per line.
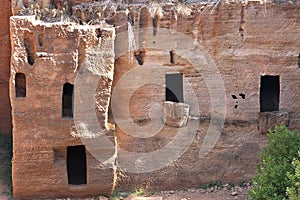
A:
242,183
117,195
271,179
138,192
293,191
230,186
212,184
5,160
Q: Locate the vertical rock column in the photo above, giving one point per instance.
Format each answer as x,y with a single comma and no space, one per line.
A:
5,108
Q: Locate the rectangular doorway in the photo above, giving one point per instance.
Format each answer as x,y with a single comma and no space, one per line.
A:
76,165
269,93
174,87
68,100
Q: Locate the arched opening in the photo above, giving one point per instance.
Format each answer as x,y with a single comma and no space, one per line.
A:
30,48
67,100
20,85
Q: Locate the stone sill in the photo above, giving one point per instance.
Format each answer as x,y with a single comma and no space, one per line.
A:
175,114
77,187
268,120
67,118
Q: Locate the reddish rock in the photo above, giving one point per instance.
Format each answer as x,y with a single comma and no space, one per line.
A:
235,45
268,120
5,107
43,134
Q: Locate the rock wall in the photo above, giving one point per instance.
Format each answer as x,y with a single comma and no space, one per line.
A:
50,55
5,108
220,52
243,42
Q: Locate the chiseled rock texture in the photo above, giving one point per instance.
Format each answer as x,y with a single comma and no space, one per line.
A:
237,43
244,42
50,55
5,108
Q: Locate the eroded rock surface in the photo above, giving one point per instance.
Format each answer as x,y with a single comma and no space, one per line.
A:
222,53
5,107
46,57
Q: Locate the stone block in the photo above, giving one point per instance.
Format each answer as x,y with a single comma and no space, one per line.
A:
175,114
268,120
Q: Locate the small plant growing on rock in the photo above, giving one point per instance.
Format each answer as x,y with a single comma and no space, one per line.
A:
138,192
271,180
229,186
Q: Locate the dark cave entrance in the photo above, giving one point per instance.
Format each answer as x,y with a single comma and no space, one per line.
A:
76,165
269,93
67,100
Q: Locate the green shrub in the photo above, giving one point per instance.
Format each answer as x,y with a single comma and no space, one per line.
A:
218,184
271,180
230,186
293,191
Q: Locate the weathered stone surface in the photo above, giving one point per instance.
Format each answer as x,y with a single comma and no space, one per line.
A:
175,114
242,42
268,120
62,53
5,108
243,45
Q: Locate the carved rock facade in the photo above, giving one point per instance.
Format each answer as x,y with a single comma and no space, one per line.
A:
47,57
221,54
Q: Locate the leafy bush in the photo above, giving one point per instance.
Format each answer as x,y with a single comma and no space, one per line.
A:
294,190
271,180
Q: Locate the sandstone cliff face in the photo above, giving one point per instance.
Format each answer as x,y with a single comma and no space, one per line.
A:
5,108
49,55
220,53
243,43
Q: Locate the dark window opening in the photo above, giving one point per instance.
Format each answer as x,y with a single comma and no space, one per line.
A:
67,100
299,60
41,39
269,93
140,56
174,87
130,19
30,47
98,32
20,85
172,57
155,24
76,165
